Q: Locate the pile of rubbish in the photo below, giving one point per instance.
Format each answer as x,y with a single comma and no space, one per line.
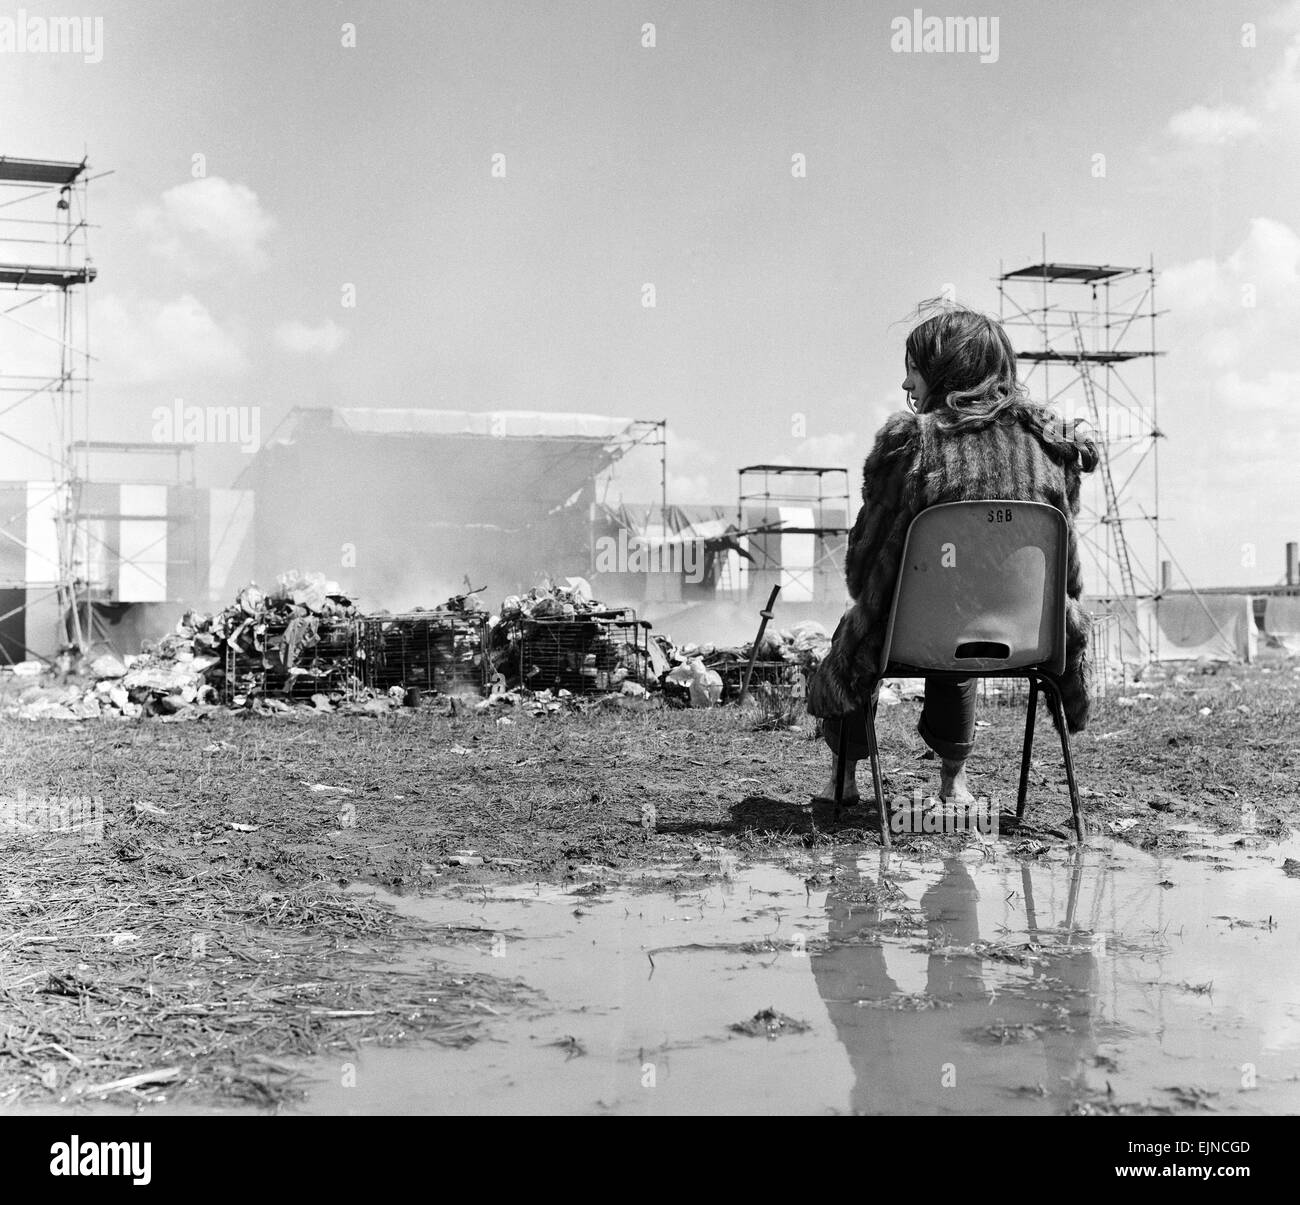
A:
295,639
561,639
304,642
707,675
273,635
569,599
167,680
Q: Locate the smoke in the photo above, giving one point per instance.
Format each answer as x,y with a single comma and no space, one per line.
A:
402,521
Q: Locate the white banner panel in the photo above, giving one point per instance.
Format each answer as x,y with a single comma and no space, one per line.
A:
43,503
142,543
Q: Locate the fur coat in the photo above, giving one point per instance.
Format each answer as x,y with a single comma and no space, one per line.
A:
915,464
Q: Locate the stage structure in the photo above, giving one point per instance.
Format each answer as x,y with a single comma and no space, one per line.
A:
1085,335
794,521
44,391
408,506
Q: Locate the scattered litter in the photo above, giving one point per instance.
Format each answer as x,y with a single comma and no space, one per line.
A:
770,1024
127,1083
704,685
571,1046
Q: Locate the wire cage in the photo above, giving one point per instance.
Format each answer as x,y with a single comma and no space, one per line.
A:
296,659
429,651
587,653
731,669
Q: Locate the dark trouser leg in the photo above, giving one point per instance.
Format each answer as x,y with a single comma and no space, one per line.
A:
947,722
857,724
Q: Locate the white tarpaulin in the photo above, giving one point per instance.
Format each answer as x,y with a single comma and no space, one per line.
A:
1282,621
1179,627
1218,626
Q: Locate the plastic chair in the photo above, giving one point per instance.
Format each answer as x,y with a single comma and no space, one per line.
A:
981,592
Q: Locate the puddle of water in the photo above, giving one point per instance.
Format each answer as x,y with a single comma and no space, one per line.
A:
969,985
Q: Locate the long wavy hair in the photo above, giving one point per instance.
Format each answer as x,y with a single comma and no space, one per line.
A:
969,368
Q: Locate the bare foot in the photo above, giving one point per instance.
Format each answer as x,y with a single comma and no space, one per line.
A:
952,783
850,783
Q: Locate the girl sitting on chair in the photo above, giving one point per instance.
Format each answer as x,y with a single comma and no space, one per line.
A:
971,433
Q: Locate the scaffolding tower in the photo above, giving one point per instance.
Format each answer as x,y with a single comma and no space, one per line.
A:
1088,335
44,378
779,501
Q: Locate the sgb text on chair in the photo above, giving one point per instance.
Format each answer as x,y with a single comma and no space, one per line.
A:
981,592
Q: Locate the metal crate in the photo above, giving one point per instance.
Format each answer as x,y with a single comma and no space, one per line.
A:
732,672
260,660
428,651
582,654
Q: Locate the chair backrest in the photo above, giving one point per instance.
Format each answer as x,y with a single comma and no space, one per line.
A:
981,589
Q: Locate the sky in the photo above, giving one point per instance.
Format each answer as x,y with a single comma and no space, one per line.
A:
493,186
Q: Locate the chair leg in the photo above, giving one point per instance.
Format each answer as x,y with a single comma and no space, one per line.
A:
873,751
840,754
1030,717
1058,713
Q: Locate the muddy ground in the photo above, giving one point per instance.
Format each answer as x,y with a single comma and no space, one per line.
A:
246,827
391,799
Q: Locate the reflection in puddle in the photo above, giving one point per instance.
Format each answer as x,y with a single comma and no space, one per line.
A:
1082,980
967,1020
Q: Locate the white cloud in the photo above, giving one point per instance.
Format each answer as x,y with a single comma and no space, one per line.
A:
1273,108
208,226
1248,304
145,341
1205,126
1282,89
322,340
